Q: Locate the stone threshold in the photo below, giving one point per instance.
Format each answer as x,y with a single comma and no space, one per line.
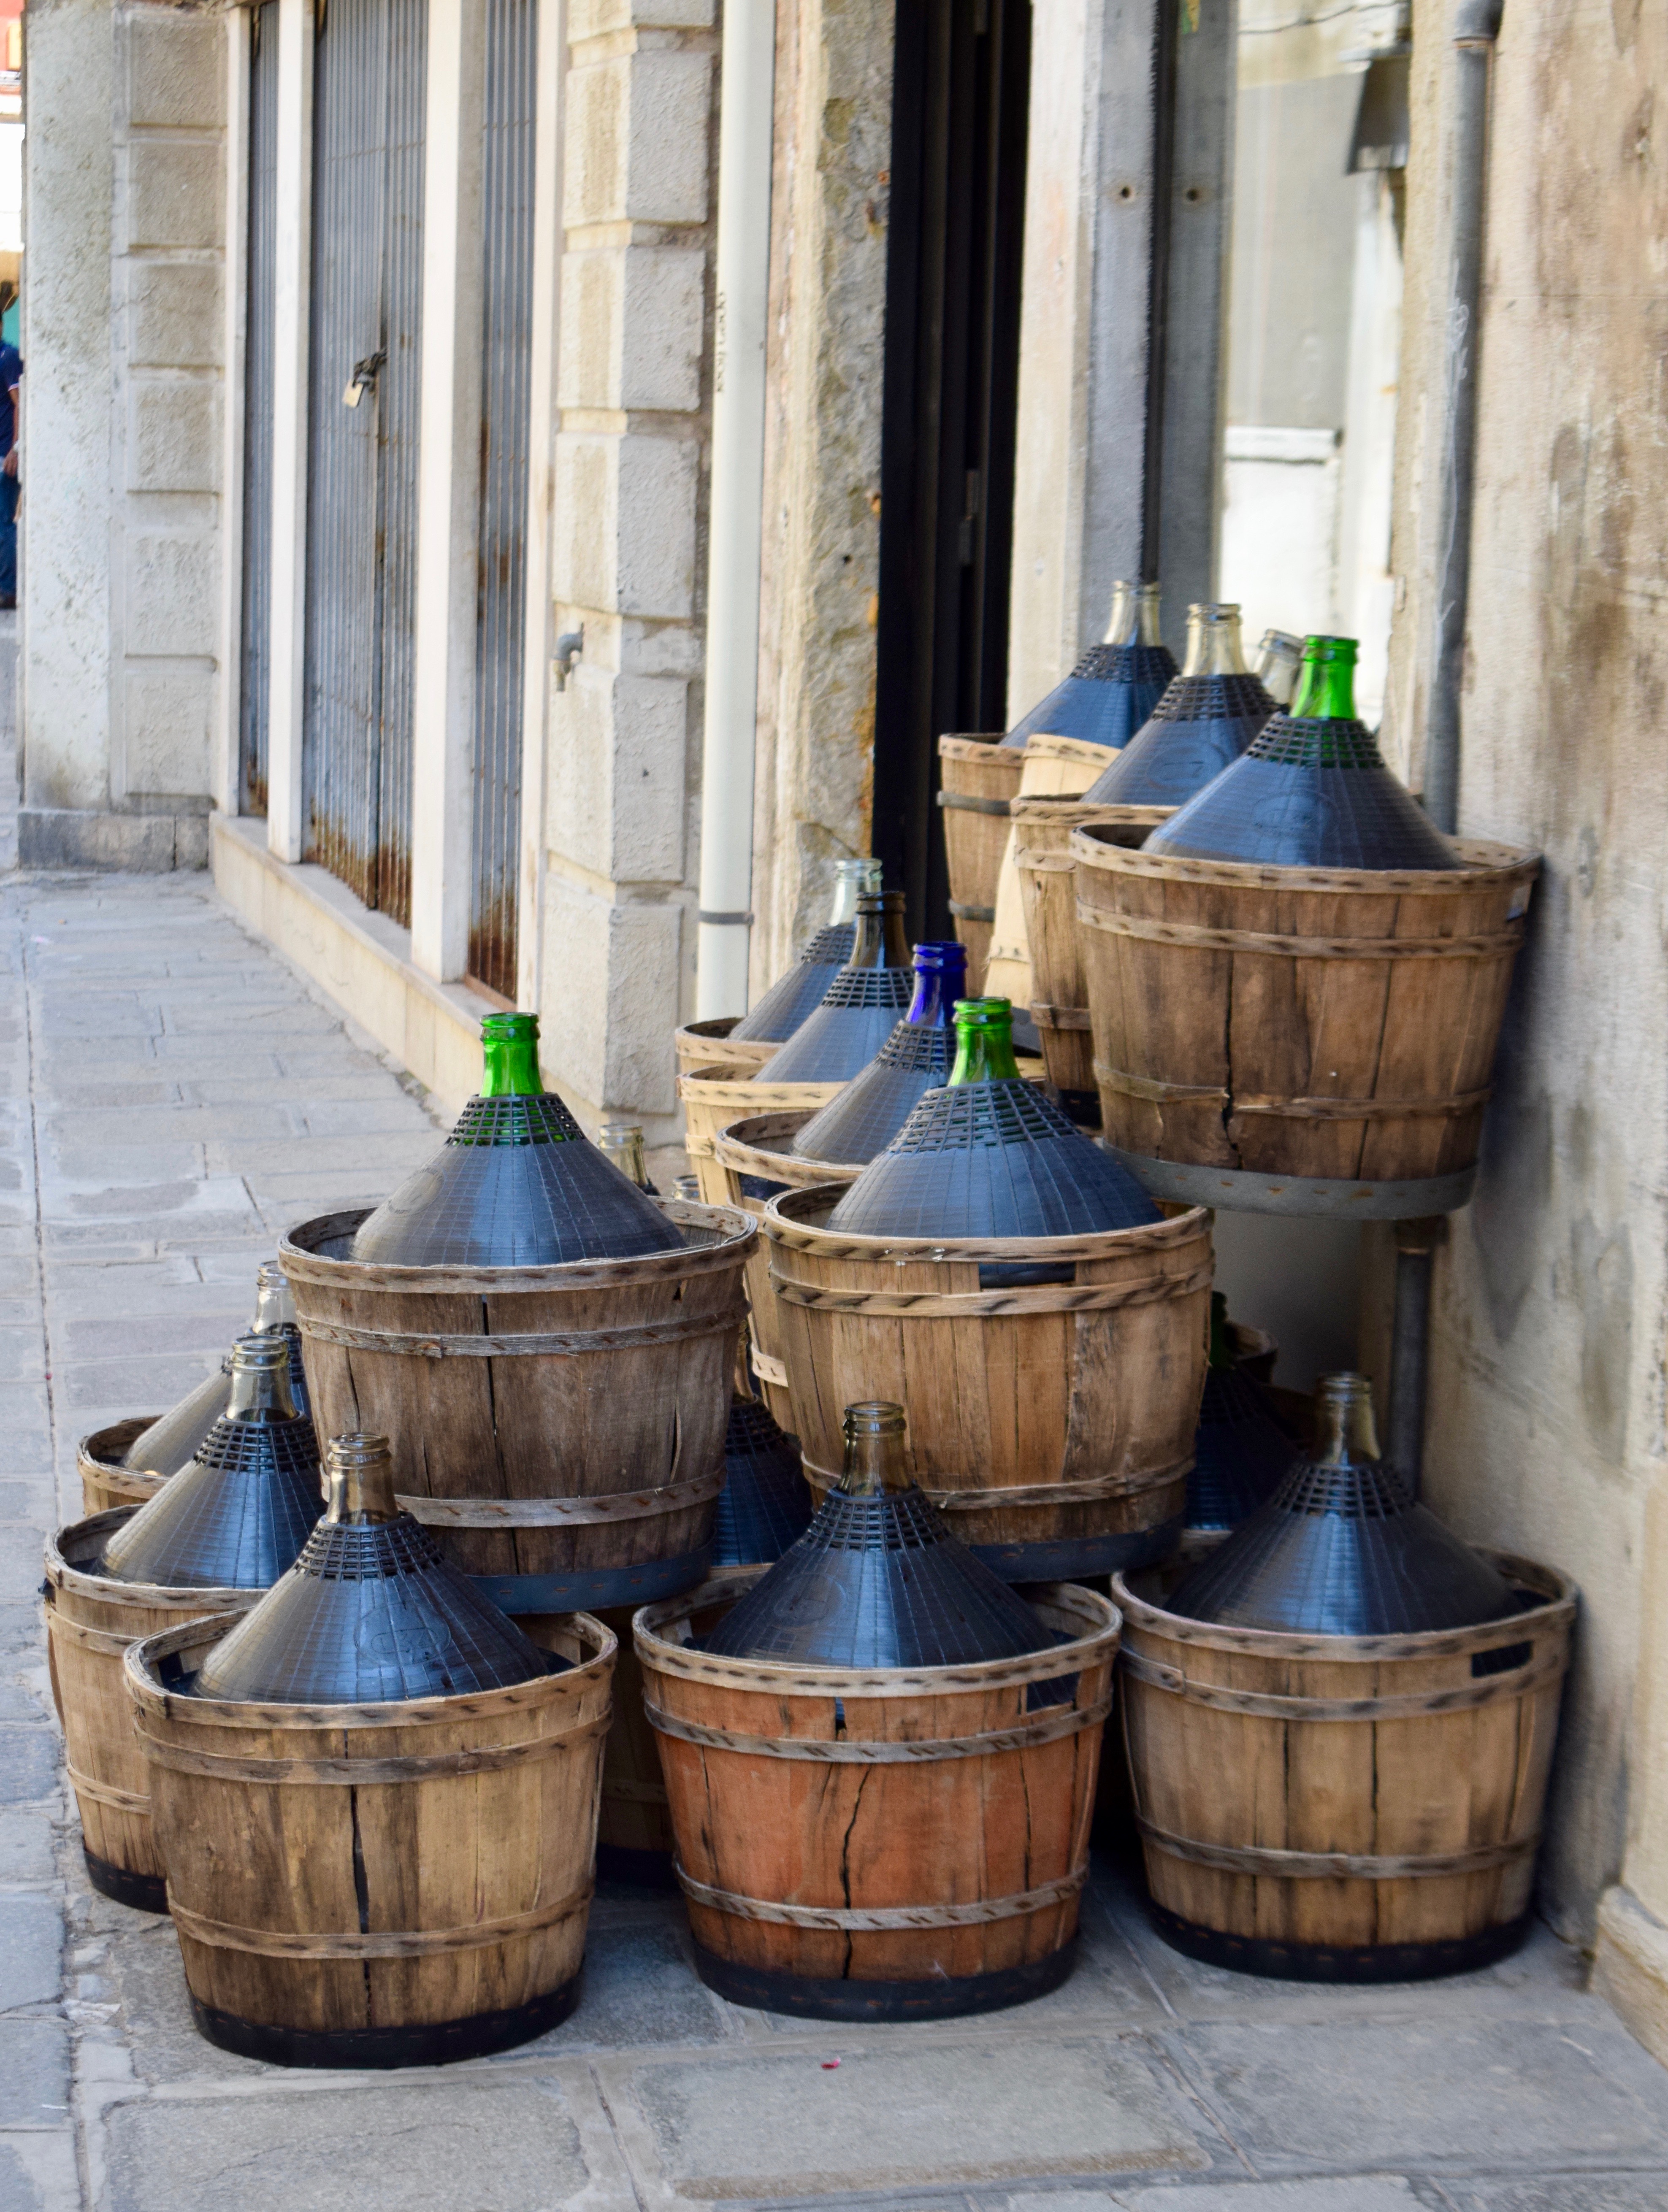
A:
361,958
1630,1968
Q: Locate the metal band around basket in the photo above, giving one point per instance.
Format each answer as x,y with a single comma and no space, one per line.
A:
1294,1109
560,1512
882,1920
952,1305
349,1773
1337,1866
963,910
106,1793
550,1343
1496,944
634,1793
1085,1490
1492,1690
1058,1017
967,802
103,1640
1048,1727
395,1943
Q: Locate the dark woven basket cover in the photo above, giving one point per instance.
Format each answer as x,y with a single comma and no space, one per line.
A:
370,1612
766,1503
857,1015
1240,1453
1201,725
878,1582
991,1159
802,989
849,1131
234,1519
1343,1551
517,1184
172,1440
1105,700
1310,792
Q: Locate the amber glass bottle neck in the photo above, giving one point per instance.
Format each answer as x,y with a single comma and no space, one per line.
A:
851,879
875,1459
1326,686
985,1041
1214,647
1345,1428
879,942
509,1054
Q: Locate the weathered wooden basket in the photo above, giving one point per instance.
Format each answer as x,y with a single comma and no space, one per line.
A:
91,1620
378,1885
706,1044
893,1845
1298,1040
715,1095
1044,865
753,1158
559,1430
1055,768
979,775
104,1482
1053,1423
1344,1808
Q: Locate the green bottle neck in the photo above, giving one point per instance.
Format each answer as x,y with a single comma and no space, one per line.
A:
985,1041
1326,686
509,1054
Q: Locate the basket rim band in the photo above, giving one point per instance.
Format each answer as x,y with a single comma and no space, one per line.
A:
394,1943
1048,1727
882,1920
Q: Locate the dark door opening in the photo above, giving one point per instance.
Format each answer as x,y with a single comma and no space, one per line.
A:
961,89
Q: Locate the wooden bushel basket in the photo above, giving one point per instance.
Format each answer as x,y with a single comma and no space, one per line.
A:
634,1828
752,1156
1054,1423
106,1483
1044,865
378,1885
1052,769
560,1430
714,1096
979,775
91,1620
1344,1808
885,1845
1298,1040
703,1044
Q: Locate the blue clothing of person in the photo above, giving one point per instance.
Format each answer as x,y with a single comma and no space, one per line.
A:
11,372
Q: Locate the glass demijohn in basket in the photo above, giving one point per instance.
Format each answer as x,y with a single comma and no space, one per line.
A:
802,990
915,1059
1239,1450
171,1442
1279,664
1206,717
860,1006
517,1183
1114,686
765,1502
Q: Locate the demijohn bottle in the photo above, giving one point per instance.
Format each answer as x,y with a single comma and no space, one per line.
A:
1312,792
171,1442
915,1059
860,1008
1239,1450
1114,686
801,991
877,1580
1279,662
1206,719
517,1183
622,1143
990,1155
765,1503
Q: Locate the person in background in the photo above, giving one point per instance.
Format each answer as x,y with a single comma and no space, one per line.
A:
11,376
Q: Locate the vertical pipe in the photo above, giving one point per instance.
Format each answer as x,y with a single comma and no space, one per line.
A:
735,540
292,323
1410,1356
1475,25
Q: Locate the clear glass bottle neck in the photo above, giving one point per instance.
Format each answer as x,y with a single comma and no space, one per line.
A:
1134,616
1279,657
510,1057
259,1387
876,1460
1214,647
275,1308
940,978
851,879
1345,1433
985,1041
359,1481
622,1143
1326,688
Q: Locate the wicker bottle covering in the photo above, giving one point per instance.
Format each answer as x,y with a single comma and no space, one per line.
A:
1105,700
370,1611
1201,724
802,990
1341,1548
861,1005
517,1184
235,1518
766,1503
171,1442
1239,1454
916,1057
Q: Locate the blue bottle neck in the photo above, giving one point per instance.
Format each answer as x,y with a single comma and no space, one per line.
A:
939,981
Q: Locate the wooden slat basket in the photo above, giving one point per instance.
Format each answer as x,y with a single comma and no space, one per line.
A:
979,774
560,1430
1045,866
1344,1808
106,1483
91,1622
706,1044
716,1095
1057,769
1298,1040
378,1885
885,1845
1053,1423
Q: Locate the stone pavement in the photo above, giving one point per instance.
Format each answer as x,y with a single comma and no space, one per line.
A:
175,1095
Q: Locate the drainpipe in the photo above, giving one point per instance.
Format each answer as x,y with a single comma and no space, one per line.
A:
1475,25
748,92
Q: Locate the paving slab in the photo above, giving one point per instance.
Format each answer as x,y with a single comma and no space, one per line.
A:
30,1938
1588,2192
38,2171
35,2073
26,1846
28,1773
639,1989
1369,2193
